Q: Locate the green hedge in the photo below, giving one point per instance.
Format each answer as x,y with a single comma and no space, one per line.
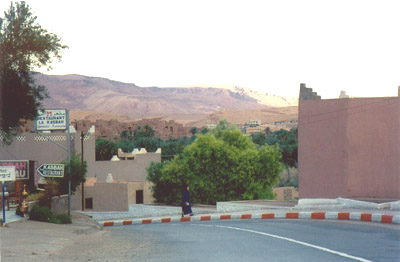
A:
62,219
44,214
38,213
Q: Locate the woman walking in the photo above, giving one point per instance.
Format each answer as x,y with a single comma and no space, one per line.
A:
186,205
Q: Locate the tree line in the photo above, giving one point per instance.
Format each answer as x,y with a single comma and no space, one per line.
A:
218,164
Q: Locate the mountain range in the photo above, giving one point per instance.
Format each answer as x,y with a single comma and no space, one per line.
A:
95,94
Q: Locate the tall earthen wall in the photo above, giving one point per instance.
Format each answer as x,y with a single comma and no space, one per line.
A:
349,148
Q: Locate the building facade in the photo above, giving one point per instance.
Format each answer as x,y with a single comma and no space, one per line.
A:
128,186
348,147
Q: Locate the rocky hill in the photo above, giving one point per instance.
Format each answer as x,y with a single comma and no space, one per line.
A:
100,95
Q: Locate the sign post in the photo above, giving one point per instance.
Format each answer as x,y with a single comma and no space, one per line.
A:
51,119
4,206
57,119
69,165
7,173
51,170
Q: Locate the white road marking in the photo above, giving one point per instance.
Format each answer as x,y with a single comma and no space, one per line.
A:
293,241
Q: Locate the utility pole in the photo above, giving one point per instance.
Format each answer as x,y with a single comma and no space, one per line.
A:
69,164
83,183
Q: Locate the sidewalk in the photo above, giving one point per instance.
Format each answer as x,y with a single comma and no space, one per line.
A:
347,210
281,209
10,216
26,240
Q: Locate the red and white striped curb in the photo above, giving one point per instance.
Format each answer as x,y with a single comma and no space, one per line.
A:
367,217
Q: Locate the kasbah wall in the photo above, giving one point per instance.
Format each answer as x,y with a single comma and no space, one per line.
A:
349,147
110,129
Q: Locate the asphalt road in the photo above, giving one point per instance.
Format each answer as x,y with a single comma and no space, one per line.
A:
229,240
278,240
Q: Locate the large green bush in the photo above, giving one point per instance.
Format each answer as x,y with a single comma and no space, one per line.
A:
39,213
221,165
61,219
44,214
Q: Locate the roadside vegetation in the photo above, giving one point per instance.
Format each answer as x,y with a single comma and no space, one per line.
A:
44,214
287,142
42,211
219,164
222,165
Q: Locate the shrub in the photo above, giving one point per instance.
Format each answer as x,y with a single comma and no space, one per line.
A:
43,214
54,220
51,189
63,219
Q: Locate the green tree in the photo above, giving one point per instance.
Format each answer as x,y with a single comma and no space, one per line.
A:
24,47
259,139
126,135
105,149
78,174
149,143
161,189
194,130
173,147
145,131
125,145
221,165
287,141
205,130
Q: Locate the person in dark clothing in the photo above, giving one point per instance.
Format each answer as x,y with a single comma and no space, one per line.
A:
186,205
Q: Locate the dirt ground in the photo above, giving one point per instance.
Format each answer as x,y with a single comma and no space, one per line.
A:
83,240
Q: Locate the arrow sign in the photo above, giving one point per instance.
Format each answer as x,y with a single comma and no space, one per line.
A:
51,170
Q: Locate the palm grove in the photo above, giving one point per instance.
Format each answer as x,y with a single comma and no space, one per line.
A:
218,164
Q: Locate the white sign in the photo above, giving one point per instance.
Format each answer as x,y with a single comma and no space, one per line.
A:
7,173
51,170
52,119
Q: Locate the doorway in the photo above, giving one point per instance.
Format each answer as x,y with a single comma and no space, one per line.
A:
139,196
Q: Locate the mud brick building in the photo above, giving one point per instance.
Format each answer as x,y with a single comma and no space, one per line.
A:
110,129
348,147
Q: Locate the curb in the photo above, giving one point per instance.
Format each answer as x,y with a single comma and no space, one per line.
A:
355,216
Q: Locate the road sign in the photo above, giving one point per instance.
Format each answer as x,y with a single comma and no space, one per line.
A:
7,173
51,170
21,167
51,119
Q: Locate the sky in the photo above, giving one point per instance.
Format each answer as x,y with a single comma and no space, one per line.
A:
268,46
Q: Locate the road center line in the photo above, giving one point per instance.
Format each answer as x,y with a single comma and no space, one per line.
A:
297,242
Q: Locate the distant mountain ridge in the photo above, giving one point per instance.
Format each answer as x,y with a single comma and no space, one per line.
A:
77,92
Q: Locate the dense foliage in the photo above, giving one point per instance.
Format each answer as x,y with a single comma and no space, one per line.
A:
40,213
105,149
44,214
221,165
77,174
140,138
287,141
24,46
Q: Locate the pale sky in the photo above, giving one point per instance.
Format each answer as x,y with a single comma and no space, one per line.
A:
268,46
